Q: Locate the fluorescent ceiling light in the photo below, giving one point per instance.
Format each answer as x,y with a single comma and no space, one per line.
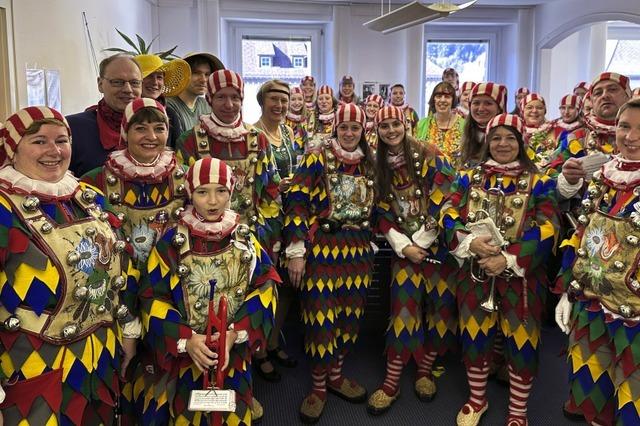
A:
412,14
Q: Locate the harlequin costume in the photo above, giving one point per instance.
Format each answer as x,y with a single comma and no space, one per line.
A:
324,120
175,301
410,115
289,153
64,279
248,152
310,105
447,140
353,99
461,110
599,272
559,125
298,121
530,228
423,319
598,135
541,137
327,215
370,130
521,92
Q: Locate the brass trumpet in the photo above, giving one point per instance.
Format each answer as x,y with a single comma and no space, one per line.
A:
493,208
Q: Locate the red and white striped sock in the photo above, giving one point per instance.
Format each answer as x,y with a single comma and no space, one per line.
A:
477,378
519,390
319,384
425,366
335,373
392,379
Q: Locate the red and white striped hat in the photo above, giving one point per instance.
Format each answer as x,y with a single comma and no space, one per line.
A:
325,90
346,79
350,112
17,124
582,85
132,108
376,99
495,91
209,170
221,79
388,112
571,100
530,98
622,80
505,120
295,90
522,91
307,78
467,85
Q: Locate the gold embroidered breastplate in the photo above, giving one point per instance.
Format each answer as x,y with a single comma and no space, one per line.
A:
231,267
244,170
143,226
511,215
607,261
87,256
350,197
409,204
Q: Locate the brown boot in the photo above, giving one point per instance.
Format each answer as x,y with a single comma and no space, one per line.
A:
425,389
348,390
311,409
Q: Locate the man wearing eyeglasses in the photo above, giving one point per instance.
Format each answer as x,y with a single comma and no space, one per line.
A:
96,131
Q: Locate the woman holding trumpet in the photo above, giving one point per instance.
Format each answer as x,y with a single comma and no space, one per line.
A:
501,223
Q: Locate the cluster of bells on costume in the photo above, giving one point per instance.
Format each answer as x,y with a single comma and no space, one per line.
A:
30,204
202,132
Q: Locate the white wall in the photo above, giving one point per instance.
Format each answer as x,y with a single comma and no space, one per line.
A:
52,35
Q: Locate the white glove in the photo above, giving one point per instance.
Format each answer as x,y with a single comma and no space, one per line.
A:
563,313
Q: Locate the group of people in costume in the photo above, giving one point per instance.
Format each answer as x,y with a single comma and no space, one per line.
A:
152,245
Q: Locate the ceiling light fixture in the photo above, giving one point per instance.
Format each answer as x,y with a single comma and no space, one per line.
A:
412,14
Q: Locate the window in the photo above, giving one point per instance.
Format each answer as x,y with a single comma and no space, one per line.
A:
470,58
298,61
265,61
623,57
284,59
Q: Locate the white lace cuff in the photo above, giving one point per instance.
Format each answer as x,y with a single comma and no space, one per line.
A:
567,190
132,329
512,264
296,249
462,252
424,238
398,241
182,346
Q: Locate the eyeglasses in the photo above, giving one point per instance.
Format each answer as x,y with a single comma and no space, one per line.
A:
117,82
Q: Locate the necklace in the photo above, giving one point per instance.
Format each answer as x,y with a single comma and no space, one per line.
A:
275,139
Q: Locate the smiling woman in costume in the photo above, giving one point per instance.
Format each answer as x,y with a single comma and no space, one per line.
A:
64,279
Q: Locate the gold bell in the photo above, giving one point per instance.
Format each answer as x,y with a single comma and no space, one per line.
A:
120,216
369,183
253,219
509,221
119,246
198,305
391,197
365,224
583,220
334,180
523,184
575,285
618,265
217,261
203,144
121,312
239,292
254,160
70,330
251,180
246,202
181,189
632,240
246,257
80,293
399,220
101,309
517,202
476,178
30,204
330,156
46,228
635,285
182,270
119,282
178,239
474,195
339,206
90,232
89,195
326,227
416,156
416,164
332,168
587,204
243,230
626,311
111,180
418,193
581,252
179,173
12,323
471,217
177,213
114,198
73,257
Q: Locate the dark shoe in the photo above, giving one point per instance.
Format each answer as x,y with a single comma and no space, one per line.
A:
311,409
380,402
271,376
349,391
287,361
573,414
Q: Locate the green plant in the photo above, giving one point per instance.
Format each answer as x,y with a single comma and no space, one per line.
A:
142,48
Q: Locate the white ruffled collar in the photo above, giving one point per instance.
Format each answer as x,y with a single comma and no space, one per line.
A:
121,164
621,171
224,132
347,157
16,182
330,116
214,231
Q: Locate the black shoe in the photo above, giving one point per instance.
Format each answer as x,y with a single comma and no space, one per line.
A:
274,356
272,376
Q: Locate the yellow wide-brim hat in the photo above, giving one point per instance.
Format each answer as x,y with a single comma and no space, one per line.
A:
177,72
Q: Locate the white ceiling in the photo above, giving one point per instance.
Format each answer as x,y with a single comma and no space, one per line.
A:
398,2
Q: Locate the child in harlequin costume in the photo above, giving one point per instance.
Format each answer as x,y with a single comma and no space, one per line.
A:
327,217
397,98
538,132
223,135
521,93
413,180
570,118
600,287
297,117
308,86
372,105
487,100
64,282
465,95
513,252
145,184
208,243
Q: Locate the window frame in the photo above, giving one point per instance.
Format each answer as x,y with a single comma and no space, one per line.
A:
297,57
269,60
